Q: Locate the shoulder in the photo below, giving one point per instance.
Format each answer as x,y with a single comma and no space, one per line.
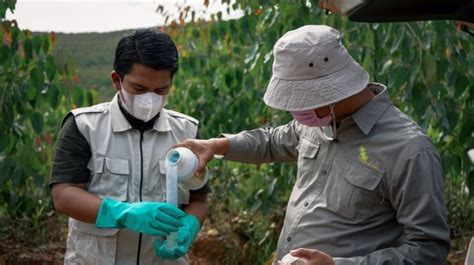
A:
178,116
99,108
405,135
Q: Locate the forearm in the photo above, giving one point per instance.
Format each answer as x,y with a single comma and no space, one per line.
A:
264,145
74,201
198,207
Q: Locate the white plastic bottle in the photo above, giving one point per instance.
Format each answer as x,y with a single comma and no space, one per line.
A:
186,164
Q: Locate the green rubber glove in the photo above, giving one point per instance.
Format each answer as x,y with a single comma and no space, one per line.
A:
186,235
151,218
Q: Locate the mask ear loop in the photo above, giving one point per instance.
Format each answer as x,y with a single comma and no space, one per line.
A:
122,98
333,126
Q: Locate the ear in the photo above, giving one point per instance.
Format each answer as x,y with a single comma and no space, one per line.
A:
115,77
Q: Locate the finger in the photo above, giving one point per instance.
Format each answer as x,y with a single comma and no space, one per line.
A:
168,219
166,253
173,211
183,236
152,231
158,243
164,228
303,253
201,166
180,251
186,143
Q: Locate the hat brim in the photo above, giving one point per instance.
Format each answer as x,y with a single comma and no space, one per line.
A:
297,95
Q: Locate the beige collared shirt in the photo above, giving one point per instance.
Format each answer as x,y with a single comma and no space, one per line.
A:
373,196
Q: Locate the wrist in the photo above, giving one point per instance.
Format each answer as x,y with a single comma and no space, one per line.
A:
194,223
110,213
220,146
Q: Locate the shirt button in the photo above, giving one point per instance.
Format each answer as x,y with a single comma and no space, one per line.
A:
306,204
324,172
288,239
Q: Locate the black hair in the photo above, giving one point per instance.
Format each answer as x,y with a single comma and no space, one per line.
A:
146,47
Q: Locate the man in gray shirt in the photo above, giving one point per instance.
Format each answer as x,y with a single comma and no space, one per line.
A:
369,187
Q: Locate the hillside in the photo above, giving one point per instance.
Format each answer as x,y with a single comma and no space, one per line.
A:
93,55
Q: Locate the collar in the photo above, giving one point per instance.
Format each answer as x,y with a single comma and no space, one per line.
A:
120,122
367,116
162,124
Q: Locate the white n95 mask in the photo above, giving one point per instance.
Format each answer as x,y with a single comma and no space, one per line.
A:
143,106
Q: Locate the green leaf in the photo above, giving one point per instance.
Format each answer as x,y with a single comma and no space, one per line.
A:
367,62
37,43
369,39
470,183
78,96
45,44
419,97
11,4
397,42
462,83
89,97
28,48
32,92
256,206
428,69
37,78
271,187
7,144
37,122
53,96
50,67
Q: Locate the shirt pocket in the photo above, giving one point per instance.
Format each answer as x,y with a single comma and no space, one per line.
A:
307,154
110,177
355,194
88,241
183,194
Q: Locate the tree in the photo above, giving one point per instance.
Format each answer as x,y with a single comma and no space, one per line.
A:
37,87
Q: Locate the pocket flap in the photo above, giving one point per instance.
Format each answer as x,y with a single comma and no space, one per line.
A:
363,176
91,229
96,164
117,165
308,149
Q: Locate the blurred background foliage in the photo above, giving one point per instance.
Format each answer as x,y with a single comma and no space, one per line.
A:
224,69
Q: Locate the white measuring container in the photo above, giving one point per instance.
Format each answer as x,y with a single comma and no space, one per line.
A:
181,165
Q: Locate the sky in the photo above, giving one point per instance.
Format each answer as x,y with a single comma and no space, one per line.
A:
75,16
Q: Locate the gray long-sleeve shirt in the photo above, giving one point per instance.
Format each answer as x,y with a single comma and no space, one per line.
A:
373,196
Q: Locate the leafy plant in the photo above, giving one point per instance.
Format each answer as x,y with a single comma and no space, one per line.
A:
37,87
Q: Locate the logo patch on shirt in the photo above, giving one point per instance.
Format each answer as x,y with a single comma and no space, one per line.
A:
364,157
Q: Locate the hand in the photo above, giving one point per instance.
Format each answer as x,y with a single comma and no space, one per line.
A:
314,257
151,218
205,150
186,235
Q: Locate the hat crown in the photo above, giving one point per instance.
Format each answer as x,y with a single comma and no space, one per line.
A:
311,69
309,52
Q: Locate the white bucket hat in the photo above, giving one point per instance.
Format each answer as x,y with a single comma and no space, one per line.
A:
311,69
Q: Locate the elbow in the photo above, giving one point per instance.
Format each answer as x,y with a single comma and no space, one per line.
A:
56,193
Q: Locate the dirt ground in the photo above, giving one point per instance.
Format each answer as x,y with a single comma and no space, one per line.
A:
210,248
20,250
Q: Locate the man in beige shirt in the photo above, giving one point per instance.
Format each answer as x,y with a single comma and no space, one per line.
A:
369,187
